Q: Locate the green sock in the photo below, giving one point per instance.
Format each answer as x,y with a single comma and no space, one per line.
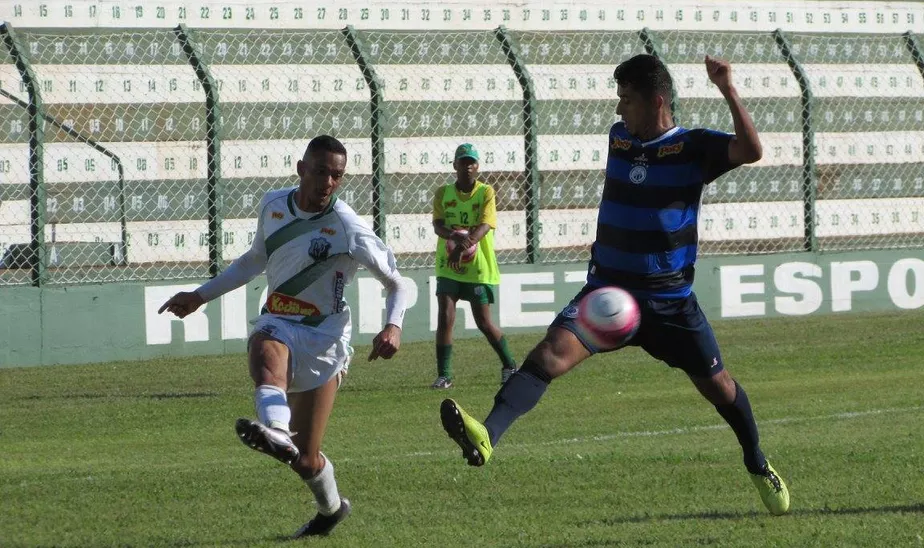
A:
500,346
444,360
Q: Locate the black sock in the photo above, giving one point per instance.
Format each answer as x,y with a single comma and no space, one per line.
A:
738,415
518,395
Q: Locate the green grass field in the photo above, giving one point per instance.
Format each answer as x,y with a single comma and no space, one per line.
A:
621,452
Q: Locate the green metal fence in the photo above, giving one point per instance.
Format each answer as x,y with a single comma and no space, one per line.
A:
142,154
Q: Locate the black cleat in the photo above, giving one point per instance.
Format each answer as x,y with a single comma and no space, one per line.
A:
271,441
321,525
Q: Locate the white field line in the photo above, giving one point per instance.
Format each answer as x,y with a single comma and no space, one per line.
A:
847,415
99,471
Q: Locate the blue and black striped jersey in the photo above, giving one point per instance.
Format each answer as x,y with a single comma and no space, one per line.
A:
647,225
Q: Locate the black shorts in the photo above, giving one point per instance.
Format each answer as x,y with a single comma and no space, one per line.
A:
674,331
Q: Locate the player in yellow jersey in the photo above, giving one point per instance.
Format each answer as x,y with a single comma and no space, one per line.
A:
464,218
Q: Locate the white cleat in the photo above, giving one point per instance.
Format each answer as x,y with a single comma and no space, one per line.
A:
274,442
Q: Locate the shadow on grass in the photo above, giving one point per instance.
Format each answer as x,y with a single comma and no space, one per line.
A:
158,396
905,508
277,539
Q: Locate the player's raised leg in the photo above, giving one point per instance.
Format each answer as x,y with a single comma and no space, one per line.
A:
311,411
269,362
558,353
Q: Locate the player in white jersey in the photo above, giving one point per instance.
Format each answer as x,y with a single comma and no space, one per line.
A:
310,244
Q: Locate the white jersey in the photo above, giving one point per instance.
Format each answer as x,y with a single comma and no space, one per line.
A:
309,258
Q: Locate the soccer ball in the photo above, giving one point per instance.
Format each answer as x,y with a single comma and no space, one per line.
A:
608,317
469,254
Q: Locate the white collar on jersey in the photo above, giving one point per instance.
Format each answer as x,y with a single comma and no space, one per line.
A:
663,136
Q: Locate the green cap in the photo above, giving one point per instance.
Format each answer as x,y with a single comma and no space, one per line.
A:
467,150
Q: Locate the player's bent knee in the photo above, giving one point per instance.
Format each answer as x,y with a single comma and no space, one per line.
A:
309,464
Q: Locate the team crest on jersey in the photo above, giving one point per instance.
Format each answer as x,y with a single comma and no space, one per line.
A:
319,249
639,171
620,144
667,150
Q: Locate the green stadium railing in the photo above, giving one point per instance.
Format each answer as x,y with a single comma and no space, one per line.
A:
809,170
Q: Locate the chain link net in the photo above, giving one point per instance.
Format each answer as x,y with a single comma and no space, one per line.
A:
869,139
756,208
122,118
442,89
572,74
277,90
131,99
15,207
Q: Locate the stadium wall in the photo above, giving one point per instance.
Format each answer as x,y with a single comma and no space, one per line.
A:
103,322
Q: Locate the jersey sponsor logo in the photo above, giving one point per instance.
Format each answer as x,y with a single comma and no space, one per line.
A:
319,249
338,292
328,231
277,215
667,150
277,303
620,144
450,204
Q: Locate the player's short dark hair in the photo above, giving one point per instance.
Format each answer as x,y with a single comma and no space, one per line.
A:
325,143
645,74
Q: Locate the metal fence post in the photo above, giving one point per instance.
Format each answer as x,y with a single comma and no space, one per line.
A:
531,142
214,190
38,256
809,171
376,134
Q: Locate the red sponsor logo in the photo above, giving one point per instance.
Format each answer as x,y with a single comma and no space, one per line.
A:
277,215
450,204
667,150
330,231
277,303
620,144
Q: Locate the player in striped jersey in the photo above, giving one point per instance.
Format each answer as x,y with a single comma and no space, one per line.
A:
646,243
310,244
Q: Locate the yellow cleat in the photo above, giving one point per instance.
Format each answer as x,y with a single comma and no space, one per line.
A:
468,433
772,491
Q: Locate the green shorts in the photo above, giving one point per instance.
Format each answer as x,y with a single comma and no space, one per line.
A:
467,291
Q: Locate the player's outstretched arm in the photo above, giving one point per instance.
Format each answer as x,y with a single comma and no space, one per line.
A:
372,253
242,270
745,147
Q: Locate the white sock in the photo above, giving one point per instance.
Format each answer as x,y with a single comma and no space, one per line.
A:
324,487
272,407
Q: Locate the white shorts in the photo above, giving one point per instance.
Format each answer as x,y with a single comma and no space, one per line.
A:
314,357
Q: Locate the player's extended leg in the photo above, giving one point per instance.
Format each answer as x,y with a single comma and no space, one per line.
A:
310,413
269,363
445,320
731,401
559,352
482,315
